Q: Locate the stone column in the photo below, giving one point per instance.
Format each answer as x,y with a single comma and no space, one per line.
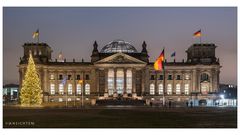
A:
194,81
115,83
156,86
97,81
74,83
173,83
182,83
133,82
143,81
45,82
125,83
106,82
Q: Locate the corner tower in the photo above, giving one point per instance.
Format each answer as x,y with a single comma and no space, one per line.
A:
41,52
202,53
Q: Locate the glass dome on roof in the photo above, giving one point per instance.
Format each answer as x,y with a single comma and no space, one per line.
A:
118,46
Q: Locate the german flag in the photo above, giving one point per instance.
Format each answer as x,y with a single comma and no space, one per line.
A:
197,34
158,64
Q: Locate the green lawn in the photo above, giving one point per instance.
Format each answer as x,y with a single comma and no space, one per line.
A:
136,117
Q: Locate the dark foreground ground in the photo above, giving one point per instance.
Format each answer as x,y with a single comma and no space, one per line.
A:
120,117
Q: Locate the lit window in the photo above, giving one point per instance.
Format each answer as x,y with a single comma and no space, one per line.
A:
160,89
60,99
110,81
52,76
70,89
79,89
129,81
120,81
187,77
152,89
186,89
87,89
169,89
69,99
40,52
178,89
52,89
61,91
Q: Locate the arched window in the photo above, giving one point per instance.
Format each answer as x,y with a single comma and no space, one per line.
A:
79,89
129,81
70,89
110,81
152,89
204,77
87,89
160,89
178,89
52,89
61,91
169,89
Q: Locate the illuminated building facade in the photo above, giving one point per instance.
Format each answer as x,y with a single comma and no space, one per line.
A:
118,69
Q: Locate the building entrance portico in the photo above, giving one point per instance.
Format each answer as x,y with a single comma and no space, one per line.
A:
119,81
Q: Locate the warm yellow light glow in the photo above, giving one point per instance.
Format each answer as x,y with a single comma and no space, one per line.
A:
31,92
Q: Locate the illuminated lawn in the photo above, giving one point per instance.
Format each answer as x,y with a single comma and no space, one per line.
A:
123,117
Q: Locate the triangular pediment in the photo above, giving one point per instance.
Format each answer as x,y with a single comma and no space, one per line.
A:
120,58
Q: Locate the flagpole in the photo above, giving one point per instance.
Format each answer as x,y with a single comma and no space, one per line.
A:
164,79
200,37
38,36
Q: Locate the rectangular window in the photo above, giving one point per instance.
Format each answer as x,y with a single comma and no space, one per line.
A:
87,77
160,89
61,90
178,89
169,77
79,89
69,77
87,89
78,77
186,89
70,89
52,77
152,77
60,77
60,99
110,81
152,89
129,81
52,89
160,77
187,77
169,89
178,77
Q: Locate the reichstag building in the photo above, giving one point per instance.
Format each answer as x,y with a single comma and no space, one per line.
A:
120,70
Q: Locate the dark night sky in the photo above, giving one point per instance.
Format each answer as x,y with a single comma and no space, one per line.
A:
73,31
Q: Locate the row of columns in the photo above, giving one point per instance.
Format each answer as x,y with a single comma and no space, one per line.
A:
124,80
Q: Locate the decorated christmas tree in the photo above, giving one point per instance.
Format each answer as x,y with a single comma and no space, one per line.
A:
31,92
